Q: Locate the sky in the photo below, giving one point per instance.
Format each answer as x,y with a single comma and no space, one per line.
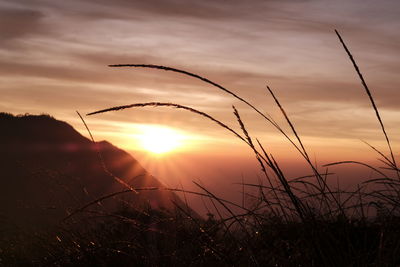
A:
54,58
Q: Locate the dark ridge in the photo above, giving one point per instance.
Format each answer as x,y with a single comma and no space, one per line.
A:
48,170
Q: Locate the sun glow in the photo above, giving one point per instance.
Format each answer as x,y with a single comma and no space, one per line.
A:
160,140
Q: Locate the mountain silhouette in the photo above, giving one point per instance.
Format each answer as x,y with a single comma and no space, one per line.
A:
49,170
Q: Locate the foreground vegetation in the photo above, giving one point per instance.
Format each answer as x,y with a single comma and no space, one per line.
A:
301,222
154,238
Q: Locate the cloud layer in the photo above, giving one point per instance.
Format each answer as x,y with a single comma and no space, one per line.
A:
54,57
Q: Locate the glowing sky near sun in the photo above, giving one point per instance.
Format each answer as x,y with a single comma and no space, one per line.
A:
54,57
159,140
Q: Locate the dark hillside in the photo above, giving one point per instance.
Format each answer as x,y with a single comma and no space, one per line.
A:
49,170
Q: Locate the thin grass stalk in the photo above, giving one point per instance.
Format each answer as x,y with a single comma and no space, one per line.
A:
270,120
246,139
388,161
370,98
218,212
249,140
325,177
361,202
103,164
222,204
184,197
295,201
221,219
250,250
152,189
250,143
289,122
161,104
359,163
243,192
389,166
271,165
304,154
219,253
264,198
309,176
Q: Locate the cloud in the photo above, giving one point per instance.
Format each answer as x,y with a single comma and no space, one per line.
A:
56,54
20,23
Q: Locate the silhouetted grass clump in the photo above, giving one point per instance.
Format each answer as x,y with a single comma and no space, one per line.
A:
291,222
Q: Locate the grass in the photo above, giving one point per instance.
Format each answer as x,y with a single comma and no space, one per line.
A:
290,222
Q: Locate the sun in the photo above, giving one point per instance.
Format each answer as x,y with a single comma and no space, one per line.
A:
159,140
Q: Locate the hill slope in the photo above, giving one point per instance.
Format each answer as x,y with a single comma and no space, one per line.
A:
48,170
